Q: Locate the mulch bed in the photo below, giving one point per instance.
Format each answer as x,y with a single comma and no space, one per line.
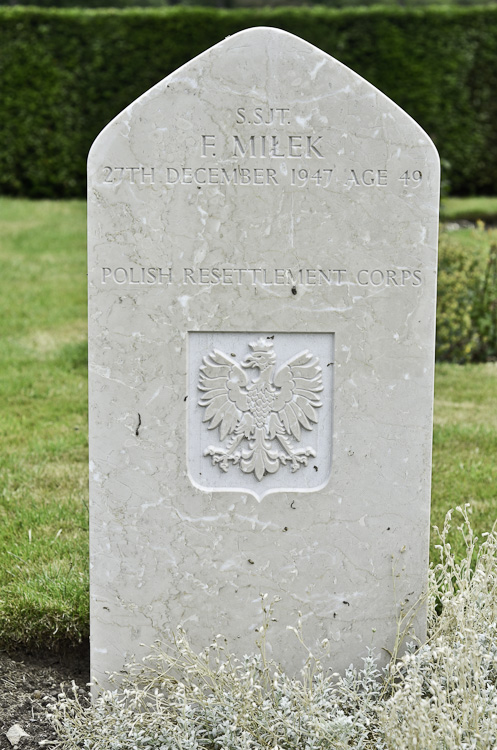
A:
29,681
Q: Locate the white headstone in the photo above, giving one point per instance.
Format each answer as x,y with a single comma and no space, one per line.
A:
262,274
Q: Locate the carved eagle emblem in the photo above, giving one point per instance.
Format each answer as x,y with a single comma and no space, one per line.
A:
261,419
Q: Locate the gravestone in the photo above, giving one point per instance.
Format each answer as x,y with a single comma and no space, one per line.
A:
262,274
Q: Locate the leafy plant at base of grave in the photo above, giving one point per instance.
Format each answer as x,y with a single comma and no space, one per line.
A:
442,694
466,302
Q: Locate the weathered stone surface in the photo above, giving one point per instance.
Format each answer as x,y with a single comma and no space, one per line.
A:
262,273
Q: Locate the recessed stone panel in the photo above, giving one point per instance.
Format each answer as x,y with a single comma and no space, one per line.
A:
262,275
260,411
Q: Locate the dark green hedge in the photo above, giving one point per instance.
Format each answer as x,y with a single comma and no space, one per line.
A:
65,73
253,4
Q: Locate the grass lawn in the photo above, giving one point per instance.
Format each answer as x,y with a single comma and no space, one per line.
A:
465,445
471,209
43,422
43,425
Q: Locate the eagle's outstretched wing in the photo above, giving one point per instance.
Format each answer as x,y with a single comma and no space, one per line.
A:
222,380
300,380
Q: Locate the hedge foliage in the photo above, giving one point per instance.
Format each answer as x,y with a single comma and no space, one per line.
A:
466,302
237,3
65,73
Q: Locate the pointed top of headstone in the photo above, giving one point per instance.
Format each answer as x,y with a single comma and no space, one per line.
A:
271,65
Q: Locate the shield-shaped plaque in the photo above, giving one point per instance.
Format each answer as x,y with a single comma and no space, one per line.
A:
260,411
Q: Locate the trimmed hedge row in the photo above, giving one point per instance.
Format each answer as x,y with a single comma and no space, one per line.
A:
65,73
238,3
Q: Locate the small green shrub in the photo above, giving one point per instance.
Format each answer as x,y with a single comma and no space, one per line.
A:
485,311
466,302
